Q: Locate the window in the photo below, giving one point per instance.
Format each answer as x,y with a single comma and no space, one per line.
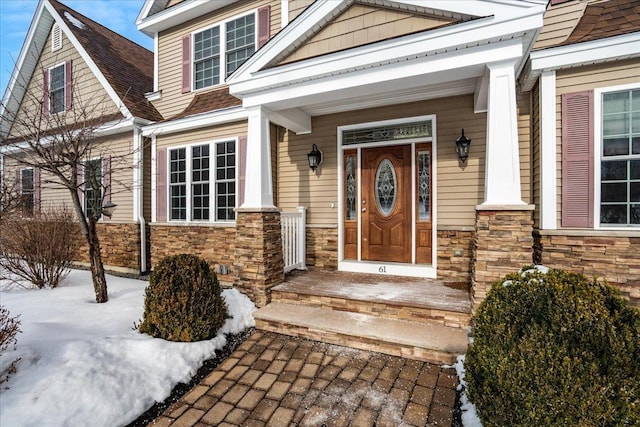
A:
620,161
56,89
190,182
92,186
216,54
27,191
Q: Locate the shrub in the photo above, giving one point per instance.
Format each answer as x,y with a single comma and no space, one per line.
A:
41,249
555,349
183,301
9,328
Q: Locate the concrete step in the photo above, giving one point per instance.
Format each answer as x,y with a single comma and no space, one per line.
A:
414,340
415,301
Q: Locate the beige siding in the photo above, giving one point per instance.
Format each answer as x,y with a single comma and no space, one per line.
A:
587,78
170,52
524,142
90,100
213,133
171,3
535,143
362,24
296,7
459,189
559,22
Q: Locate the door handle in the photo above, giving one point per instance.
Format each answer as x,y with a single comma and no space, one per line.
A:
364,209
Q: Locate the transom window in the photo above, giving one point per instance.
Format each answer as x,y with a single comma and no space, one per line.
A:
192,177
620,162
56,89
235,41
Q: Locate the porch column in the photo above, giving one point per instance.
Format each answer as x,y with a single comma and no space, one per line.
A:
504,223
258,260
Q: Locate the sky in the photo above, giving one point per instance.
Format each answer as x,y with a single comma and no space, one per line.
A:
16,16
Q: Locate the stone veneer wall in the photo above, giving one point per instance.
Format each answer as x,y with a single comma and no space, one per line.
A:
322,247
451,265
215,244
503,244
615,256
258,254
120,244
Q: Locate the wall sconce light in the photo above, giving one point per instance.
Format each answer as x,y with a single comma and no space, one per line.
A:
108,209
314,157
462,147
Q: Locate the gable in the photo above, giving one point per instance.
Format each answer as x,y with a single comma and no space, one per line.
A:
362,24
85,85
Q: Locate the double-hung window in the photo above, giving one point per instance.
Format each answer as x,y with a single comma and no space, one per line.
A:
218,51
92,186
620,158
202,180
27,191
56,89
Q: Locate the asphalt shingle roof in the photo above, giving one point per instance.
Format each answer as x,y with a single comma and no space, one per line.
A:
607,19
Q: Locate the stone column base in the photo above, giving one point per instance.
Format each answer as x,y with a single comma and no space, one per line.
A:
503,243
258,262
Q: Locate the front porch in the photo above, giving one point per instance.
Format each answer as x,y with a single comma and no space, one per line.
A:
416,318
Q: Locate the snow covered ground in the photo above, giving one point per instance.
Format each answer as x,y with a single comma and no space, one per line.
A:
83,364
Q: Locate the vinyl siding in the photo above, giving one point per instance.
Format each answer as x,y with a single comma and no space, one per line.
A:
536,159
296,7
363,24
90,99
559,22
459,189
202,135
173,101
586,78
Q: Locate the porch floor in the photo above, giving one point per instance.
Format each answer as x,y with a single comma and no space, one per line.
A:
390,290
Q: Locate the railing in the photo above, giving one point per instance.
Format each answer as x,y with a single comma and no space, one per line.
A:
293,239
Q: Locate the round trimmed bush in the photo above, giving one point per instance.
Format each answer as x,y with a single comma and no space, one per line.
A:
555,349
183,301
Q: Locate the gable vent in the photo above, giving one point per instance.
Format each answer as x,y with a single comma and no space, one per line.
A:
56,38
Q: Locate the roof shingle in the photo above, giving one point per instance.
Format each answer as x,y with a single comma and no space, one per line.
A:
606,19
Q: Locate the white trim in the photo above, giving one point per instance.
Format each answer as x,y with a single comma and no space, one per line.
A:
138,194
391,268
156,63
548,147
64,88
597,154
177,14
154,179
284,13
217,117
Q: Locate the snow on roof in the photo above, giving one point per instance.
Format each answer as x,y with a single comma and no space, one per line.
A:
74,20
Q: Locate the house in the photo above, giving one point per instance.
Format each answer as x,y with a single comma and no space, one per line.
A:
84,71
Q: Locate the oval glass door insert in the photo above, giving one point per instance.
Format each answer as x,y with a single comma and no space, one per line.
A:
386,187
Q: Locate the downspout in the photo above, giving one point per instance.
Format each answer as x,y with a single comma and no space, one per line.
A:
138,193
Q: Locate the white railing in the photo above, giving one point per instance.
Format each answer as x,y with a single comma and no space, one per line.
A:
293,239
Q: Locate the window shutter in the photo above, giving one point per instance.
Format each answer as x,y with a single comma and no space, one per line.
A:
161,185
36,190
68,86
577,159
45,92
264,25
242,167
106,179
186,63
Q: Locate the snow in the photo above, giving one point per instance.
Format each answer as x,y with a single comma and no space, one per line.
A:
469,414
83,363
74,21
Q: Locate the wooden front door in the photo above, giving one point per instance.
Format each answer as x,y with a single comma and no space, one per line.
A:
386,204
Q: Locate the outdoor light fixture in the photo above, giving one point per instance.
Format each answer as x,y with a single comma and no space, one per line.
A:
108,209
315,157
462,147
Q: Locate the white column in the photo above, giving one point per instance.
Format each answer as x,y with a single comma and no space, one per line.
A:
502,170
258,187
547,107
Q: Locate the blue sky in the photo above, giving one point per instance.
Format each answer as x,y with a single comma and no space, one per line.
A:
16,16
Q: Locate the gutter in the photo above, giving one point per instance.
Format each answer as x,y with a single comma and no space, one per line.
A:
138,193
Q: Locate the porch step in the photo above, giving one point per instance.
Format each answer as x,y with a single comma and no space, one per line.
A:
414,340
420,301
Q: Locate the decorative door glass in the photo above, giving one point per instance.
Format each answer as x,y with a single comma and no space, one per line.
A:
386,187
424,175
350,180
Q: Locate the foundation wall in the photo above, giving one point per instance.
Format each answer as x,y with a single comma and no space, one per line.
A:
455,255
120,245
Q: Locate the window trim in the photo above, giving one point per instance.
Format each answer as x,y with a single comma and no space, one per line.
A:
189,181
64,88
223,48
597,146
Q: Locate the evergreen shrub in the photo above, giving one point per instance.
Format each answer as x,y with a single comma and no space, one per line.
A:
555,349
183,301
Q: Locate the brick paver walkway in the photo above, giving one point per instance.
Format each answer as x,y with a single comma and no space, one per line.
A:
276,380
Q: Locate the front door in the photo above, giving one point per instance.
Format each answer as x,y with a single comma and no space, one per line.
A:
386,204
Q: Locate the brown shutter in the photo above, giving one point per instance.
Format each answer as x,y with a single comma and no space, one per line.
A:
242,167
161,185
36,190
45,92
186,63
577,159
68,86
264,25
